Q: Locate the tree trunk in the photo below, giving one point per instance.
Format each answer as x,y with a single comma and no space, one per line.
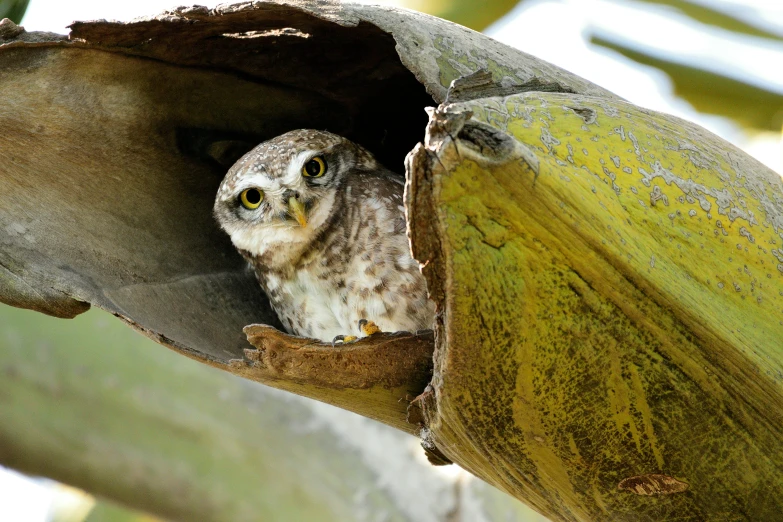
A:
611,295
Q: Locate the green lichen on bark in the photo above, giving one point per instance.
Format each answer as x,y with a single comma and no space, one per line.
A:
568,362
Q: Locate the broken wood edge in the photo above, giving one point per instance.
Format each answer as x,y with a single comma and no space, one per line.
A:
377,377
451,136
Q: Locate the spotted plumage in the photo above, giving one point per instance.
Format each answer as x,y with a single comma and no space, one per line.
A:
322,224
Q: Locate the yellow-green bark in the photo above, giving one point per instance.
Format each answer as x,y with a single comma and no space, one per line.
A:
613,309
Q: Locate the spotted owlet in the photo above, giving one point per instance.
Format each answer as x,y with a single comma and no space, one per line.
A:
322,224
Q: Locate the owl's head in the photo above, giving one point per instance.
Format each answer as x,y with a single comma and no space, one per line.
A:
280,194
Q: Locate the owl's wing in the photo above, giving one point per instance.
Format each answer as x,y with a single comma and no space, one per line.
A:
385,187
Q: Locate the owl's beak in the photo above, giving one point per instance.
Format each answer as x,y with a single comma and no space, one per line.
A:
297,211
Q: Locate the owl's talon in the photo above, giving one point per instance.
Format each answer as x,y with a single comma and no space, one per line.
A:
368,327
343,339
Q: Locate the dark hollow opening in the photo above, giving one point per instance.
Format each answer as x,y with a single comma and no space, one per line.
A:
307,73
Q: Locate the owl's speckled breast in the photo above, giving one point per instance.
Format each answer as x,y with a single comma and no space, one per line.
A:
360,268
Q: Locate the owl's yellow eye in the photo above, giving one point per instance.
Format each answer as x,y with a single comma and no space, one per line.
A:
251,198
315,168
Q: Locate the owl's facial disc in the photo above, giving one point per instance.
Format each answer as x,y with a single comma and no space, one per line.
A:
278,197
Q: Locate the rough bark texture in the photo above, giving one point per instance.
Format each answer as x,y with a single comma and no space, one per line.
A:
612,295
608,279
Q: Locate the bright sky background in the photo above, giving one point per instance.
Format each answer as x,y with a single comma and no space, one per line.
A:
530,28
22,499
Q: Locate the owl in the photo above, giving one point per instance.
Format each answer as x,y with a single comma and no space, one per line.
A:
322,224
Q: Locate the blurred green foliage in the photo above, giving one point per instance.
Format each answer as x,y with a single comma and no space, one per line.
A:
711,93
108,512
476,15
748,105
715,18
13,9
79,393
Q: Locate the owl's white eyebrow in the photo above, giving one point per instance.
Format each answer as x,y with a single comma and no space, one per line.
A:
253,181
